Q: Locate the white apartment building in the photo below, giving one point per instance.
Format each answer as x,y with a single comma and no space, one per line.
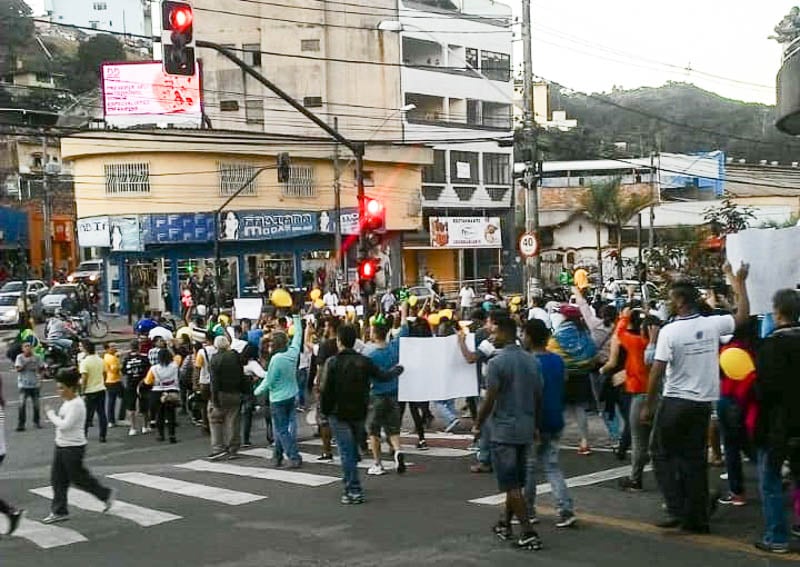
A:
117,16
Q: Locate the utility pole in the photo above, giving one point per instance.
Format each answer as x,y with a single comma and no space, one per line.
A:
337,195
650,235
46,216
529,137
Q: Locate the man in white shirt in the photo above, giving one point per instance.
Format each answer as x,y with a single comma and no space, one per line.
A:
68,467
331,300
687,357
537,311
467,297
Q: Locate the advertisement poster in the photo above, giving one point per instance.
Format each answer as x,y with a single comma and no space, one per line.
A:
126,234
181,227
465,232
260,225
93,232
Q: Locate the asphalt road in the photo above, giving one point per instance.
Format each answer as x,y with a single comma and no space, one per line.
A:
175,508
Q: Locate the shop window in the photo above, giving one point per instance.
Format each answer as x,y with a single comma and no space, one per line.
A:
233,175
496,169
127,178
301,182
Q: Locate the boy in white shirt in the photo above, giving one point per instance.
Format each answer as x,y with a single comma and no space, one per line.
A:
68,467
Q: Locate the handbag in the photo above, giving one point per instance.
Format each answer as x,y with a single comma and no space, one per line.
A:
170,398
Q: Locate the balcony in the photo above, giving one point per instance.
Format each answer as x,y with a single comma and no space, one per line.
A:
788,108
458,113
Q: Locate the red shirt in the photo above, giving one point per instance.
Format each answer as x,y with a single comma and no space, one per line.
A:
637,372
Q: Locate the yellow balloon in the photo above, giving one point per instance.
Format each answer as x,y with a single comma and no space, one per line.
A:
224,320
516,300
281,298
319,304
315,294
513,307
433,319
446,314
412,300
736,363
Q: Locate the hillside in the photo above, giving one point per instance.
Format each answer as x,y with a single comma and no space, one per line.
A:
742,130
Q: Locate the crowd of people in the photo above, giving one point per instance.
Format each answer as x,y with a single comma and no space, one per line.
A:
661,387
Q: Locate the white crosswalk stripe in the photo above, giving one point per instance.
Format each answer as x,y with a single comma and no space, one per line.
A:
291,477
412,450
312,458
145,517
47,536
191,489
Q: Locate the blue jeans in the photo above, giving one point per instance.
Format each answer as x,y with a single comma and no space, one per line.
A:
545,456
302,382
448,410
347,436
285,428
776,528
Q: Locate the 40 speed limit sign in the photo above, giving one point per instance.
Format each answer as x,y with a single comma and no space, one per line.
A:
528,245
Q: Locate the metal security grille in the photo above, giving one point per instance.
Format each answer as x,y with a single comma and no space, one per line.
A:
233,175
127,178
301,182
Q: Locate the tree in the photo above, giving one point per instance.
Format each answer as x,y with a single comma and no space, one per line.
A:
729,217
788,29
92,53
16,31
595,204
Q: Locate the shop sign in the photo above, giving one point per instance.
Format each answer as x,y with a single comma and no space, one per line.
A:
349,219
261,225
94,232
126,234
196,227
465,232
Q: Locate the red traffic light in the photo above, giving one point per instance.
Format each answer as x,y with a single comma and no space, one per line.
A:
181,18
367,269
374,218
374,207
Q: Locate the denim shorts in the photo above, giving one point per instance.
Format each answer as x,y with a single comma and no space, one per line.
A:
383,412
509,465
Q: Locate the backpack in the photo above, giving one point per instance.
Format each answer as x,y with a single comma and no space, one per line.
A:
575,346
186,370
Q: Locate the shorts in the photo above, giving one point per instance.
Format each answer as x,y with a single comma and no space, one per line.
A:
509,465
383,412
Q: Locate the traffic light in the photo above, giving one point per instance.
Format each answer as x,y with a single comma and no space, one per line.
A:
177,37
374,216
367,269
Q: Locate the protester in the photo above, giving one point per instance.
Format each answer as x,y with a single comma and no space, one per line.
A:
68,467
92,371
344,392
29,367
113,382
227,385
687,354
466,296
165,395
327,347
202,379
14,515
777,433
134,369
513,399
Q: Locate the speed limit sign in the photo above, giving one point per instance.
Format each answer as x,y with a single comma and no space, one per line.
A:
528,245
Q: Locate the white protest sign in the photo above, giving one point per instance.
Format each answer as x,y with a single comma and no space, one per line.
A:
774,259
247,308
435,369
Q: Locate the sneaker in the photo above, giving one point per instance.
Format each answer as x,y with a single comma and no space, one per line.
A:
422,445
376,470
55,518
109,502
584,450
217,455
629,485
532,520
132,432
146,430
723,476
480,468
502,531
529,540
778,548
452,425
111,425
349,499
14,518
400,462
325,458
566,519
732,499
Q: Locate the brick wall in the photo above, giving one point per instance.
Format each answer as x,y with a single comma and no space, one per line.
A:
569,198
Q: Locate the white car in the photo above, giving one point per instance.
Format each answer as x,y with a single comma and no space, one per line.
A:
36,289
621,288
56,295
88,272
10,309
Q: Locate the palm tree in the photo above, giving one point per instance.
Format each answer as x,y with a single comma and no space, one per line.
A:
595,204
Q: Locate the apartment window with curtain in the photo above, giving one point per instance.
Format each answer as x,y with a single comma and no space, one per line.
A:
464,167
496,66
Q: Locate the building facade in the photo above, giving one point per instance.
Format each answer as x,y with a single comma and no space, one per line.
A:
148,202
116,16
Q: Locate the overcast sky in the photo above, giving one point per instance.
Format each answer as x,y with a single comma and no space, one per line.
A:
592,45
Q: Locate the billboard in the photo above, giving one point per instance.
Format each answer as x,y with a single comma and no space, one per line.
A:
465,232
142,93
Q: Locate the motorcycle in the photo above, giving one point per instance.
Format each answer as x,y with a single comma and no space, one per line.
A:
57,358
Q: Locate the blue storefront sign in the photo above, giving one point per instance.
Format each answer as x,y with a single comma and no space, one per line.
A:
181,227
265,225
13,227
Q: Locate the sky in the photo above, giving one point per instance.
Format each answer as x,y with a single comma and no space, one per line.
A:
592,46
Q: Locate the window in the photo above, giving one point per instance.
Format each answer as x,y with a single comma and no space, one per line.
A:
94,25
254,111
312,101
252,54
496,169
309,45
42,77
474,114
233,175
100,6
127,178
496,66
301,182
437,171
471,57
229,105
463,167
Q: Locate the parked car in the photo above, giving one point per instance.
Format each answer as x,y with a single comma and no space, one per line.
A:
10,310
52,300
89,272
36,289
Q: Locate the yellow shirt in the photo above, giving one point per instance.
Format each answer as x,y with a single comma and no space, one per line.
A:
91,370
112,368
581,278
